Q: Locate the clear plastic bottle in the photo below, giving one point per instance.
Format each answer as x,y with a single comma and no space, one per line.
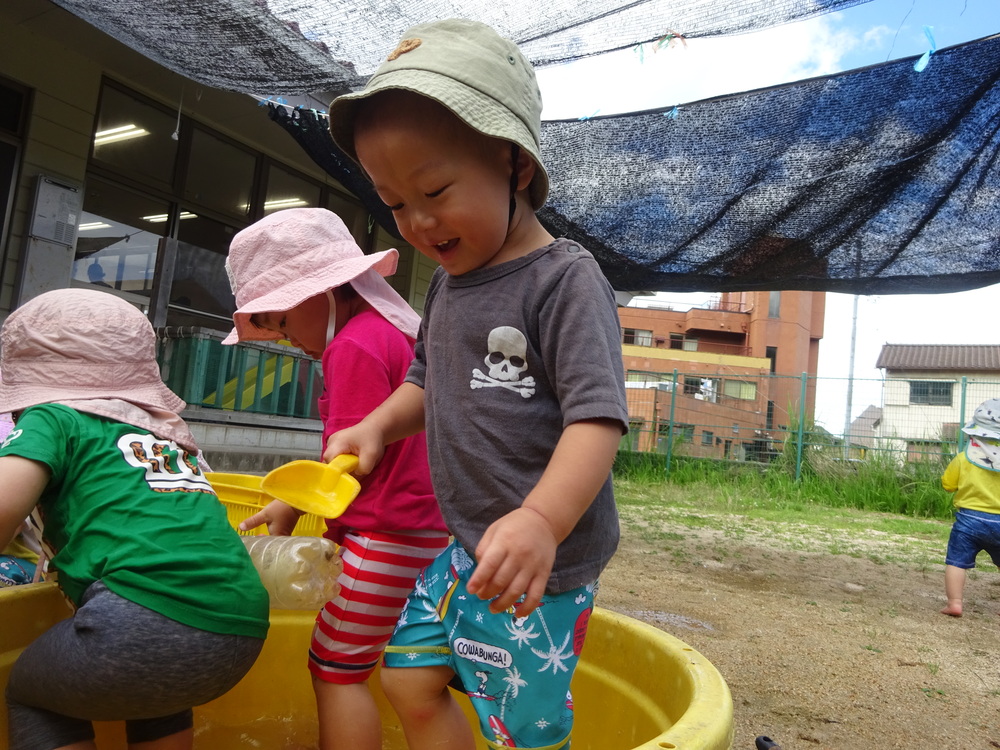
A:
299,572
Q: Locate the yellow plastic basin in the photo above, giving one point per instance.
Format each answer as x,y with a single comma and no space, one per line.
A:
635,687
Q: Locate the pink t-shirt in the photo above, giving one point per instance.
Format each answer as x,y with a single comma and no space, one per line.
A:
6,423
366,361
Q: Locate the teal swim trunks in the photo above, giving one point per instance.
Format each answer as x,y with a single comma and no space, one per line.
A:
515,670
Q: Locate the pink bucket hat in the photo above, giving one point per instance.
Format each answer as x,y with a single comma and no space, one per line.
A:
289,256
71,344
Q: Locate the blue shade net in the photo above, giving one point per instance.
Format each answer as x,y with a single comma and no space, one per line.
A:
879,180
286,47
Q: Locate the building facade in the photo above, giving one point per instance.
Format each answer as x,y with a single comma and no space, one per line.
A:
727,379
929,391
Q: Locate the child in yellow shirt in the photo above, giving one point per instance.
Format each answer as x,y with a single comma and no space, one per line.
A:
974,477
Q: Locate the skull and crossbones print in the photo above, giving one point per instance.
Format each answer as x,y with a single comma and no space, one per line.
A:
506,359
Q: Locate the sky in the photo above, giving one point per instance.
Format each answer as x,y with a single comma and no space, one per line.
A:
868,34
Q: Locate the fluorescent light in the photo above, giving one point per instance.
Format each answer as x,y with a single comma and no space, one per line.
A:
93,225
161,218
285,203
122,133
112,131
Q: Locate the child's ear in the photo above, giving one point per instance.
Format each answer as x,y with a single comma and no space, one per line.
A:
525,170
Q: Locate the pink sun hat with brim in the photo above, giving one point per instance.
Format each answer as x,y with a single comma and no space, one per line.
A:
80,344
291,255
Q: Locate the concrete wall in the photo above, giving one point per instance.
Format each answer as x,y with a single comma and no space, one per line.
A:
253,444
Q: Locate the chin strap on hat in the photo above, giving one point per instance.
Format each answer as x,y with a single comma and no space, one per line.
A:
331,321
515,152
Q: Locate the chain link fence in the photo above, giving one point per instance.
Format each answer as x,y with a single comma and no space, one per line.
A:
766,418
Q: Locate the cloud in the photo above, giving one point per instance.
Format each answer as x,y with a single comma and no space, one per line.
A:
635,80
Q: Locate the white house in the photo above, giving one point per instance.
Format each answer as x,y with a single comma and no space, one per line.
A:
930,390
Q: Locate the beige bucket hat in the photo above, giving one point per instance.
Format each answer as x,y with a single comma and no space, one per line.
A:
465,65
78,344
289,256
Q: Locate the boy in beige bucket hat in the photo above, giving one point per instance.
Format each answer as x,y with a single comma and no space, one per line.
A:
161,583
299,274
517,377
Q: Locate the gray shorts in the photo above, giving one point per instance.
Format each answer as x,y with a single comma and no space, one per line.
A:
116,660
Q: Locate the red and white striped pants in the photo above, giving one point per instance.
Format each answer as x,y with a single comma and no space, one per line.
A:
352,630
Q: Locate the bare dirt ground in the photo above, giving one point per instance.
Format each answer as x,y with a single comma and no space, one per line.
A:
824,643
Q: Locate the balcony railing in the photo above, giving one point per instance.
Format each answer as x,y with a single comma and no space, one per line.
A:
261,377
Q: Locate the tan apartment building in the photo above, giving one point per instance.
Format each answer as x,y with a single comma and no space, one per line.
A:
739,363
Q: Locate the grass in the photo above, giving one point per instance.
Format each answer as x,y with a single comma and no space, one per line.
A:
711,504
878,485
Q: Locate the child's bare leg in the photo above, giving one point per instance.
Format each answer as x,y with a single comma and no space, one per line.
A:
954,585
430,716
348,717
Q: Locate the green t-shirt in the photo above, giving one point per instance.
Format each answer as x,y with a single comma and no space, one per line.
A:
133,510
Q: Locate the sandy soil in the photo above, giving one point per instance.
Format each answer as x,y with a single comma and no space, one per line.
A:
819,649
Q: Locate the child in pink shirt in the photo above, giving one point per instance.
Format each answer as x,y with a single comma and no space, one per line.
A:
298,275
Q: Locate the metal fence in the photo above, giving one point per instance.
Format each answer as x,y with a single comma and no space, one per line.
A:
764,418
259,377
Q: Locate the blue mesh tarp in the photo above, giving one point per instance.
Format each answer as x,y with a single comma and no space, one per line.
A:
285,47
872,181
879,180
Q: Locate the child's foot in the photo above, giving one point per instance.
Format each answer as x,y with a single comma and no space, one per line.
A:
952,610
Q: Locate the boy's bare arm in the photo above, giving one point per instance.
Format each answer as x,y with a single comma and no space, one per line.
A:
516,553
22,481
399,416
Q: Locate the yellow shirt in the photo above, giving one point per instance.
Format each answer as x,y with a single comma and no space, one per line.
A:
975,488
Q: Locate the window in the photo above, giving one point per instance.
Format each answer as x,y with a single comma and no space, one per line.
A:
683,433
220,175
13,107
135,138
118,238
707,437
200,294
774,305
164,197
637,337
742,389
286,190
676,340
771,353
13,114
769,423
352,214
692,385
930,392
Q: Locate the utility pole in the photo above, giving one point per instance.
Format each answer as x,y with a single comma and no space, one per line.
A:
850,381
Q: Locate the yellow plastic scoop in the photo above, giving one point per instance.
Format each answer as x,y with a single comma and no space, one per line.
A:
315,487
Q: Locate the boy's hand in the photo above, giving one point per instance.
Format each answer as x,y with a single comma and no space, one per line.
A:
514,557
279,517
363,440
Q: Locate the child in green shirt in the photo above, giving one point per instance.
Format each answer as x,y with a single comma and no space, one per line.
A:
170,612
